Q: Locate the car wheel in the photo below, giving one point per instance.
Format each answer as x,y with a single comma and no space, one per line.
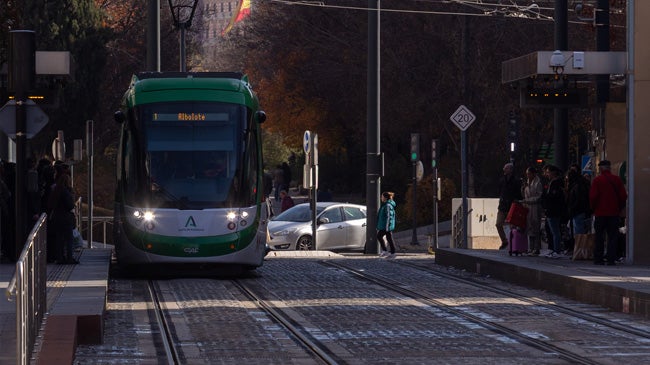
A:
305,243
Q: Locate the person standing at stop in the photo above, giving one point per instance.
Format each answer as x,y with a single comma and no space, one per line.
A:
607,198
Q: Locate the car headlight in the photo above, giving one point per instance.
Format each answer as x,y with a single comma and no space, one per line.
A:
284,232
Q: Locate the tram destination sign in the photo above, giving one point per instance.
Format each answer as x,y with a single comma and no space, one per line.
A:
189,117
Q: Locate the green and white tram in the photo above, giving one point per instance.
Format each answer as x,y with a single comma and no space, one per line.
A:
189,171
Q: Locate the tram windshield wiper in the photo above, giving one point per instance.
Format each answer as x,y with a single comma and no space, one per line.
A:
167,197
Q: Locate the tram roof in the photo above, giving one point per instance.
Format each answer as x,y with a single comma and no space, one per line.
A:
151,87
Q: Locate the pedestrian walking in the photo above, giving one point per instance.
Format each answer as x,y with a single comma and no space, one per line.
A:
386,224
532,191
607,198
509,191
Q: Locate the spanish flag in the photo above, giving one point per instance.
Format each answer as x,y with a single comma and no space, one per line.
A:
243,11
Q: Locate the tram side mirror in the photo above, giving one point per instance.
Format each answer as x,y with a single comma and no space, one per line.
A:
119,117
260,116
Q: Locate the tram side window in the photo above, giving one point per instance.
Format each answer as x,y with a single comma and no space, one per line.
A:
251,168
128,163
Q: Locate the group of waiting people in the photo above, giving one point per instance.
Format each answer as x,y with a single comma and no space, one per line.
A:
62,219
568,203
51,194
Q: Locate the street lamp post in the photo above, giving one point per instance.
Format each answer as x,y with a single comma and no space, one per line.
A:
182,12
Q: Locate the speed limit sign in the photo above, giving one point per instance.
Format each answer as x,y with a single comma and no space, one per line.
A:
462,118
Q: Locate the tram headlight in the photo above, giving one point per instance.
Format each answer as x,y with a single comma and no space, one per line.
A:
147,216
244,215
231,216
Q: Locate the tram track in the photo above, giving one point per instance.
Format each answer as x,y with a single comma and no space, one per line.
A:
166,336
535,301
315,347
341,311
487,324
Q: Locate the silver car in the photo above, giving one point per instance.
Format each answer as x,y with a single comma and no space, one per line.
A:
341,226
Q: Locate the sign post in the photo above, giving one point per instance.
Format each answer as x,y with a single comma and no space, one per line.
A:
89,151
310,176
434,182
463,118
415,154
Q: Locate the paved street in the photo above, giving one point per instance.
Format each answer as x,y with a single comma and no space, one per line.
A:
361,310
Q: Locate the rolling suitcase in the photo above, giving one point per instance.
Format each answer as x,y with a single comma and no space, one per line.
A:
518,242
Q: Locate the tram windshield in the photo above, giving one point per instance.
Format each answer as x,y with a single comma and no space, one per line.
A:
192,152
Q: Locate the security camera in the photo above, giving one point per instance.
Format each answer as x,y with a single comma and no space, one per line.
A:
557,59
557,62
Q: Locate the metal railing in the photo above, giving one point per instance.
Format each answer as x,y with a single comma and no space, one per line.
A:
103,221
82,225
29,286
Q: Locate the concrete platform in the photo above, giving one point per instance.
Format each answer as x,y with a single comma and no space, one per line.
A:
622,288
76,303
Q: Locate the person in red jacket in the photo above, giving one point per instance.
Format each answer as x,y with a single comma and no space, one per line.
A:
286,201
607,198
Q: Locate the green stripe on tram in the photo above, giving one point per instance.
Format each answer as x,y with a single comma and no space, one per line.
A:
191,246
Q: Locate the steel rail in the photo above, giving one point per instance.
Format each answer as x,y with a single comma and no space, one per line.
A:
165,331
518,336
540,302
312,345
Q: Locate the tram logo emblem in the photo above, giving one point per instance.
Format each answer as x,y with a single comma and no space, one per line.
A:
190,222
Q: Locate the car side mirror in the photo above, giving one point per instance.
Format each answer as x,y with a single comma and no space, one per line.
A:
323,220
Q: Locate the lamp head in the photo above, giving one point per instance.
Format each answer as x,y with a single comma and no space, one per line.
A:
183,12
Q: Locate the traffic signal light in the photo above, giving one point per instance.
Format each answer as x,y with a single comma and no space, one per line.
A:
415,146
434,153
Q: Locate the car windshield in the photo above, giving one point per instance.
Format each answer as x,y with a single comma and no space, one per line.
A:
299,213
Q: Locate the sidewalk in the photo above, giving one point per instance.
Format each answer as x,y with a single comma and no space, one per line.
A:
622,288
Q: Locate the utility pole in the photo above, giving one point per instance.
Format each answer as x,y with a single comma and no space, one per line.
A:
373,156
22,66
153,35
561,115
602,45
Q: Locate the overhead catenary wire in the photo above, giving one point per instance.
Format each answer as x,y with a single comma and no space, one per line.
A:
530,11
